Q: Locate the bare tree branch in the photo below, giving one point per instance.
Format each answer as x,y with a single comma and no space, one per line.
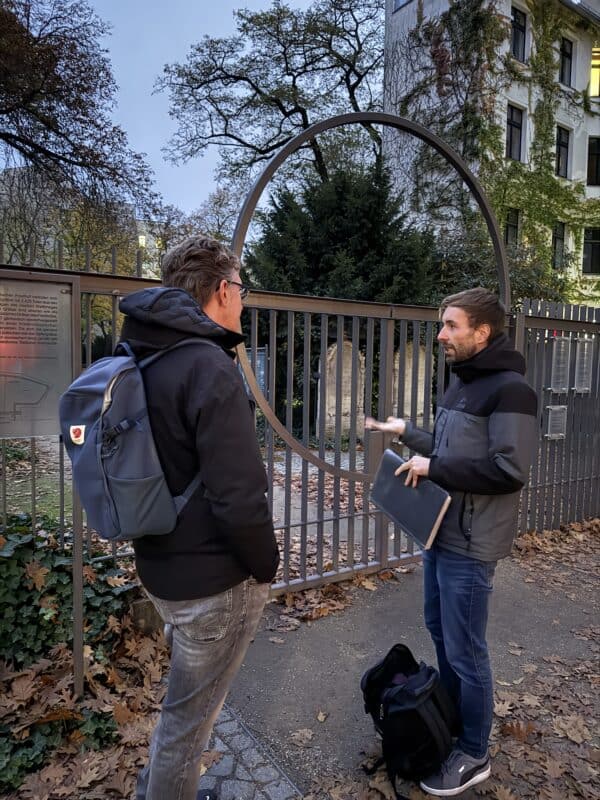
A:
284,70
56,96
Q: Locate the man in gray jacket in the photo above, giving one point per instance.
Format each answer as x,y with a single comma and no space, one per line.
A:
480,451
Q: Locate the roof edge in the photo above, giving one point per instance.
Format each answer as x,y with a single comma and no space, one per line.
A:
582,9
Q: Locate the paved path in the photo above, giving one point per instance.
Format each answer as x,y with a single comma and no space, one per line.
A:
246,771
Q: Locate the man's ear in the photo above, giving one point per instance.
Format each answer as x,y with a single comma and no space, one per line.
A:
483,333
222,292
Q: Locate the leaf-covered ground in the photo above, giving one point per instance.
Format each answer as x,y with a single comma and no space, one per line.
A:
545,741
546,737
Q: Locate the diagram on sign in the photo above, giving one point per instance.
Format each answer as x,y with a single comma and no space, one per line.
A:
18,394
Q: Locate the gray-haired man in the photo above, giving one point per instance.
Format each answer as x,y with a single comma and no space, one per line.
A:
209,579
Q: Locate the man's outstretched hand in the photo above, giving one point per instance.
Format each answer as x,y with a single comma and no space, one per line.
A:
391,425
417,466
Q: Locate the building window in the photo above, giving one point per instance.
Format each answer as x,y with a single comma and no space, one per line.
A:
517,37
593,172
558,245
514,132
511,229
566,61
595,75
562,151
591,251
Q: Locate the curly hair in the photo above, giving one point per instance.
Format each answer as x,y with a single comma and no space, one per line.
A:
198,265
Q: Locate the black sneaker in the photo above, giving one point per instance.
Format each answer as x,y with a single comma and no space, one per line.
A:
457,774
206,794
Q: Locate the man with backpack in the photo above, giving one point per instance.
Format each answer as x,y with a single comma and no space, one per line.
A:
480,451
209,578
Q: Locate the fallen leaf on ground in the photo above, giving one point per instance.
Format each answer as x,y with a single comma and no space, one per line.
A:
519,730
284,623
502,708
209,759
502,793
122,714
36,573
302,737
365,583
381,783
572,726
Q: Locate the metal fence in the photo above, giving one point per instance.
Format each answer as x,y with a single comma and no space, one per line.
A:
324,522
322,365
561,344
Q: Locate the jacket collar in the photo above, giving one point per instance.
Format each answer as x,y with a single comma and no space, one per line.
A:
498,356
162,315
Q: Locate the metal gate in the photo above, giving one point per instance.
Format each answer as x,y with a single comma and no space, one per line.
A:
323,364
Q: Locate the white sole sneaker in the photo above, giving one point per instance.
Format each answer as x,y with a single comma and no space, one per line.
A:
479,777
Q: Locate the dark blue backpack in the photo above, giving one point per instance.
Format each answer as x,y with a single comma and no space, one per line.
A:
107,434
413,714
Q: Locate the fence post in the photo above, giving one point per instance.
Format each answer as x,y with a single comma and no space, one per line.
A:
375,445
386,369
78,658
518,332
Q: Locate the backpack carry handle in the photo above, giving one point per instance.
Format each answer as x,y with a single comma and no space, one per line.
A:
126,348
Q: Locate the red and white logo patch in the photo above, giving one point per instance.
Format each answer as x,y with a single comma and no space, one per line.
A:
77,433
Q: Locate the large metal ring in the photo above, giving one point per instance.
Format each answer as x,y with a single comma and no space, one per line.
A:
251,201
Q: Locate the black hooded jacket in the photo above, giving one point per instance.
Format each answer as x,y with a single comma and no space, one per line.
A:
203,423
482,445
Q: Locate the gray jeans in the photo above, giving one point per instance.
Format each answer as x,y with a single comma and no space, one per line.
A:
210,639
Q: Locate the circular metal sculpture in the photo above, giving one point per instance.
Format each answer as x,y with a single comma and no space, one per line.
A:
254,195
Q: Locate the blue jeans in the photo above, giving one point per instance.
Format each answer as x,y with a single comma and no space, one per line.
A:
457,591
210,639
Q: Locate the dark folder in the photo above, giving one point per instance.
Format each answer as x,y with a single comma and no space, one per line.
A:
418,511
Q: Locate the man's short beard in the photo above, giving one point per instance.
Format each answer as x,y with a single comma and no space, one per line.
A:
457,355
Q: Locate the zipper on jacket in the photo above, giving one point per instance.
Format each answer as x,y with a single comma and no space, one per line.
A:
438,433
470,528
466,533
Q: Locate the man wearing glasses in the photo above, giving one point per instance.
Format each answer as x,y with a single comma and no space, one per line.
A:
209,578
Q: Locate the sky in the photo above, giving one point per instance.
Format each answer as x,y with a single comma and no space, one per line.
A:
146,35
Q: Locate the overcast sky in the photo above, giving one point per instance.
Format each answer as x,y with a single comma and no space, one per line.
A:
147,34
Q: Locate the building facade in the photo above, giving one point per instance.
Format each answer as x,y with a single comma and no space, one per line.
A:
546,61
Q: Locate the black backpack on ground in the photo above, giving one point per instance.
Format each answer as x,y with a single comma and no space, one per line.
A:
412,712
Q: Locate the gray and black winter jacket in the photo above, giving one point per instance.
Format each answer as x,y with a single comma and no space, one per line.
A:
481,448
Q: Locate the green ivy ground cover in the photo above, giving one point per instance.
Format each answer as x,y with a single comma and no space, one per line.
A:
36,612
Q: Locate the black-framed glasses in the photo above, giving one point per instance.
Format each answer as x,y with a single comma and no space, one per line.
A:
244,290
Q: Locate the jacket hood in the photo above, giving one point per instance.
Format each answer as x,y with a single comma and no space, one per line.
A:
162,315
498,356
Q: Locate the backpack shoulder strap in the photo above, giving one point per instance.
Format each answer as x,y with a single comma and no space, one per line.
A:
180,500
446,707
145,362
436,725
